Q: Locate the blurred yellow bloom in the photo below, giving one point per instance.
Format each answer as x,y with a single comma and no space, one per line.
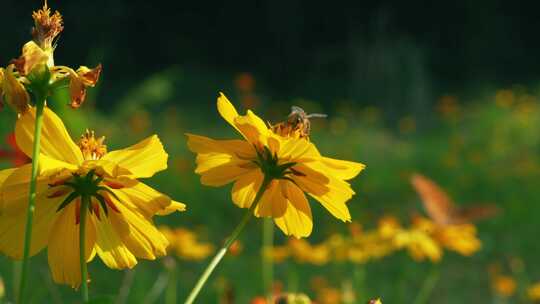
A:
375,301
185,245
304,252
278,253
459,238
419,244
533,292
119,227
294,166
504,286
329,295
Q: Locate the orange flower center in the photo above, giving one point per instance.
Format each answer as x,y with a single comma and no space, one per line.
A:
91,147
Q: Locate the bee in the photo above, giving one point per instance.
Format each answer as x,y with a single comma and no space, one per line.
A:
297,123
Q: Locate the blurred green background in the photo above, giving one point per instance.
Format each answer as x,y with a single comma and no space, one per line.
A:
446,89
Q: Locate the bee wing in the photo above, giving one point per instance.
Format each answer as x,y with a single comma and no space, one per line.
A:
477,212
437,204
297,109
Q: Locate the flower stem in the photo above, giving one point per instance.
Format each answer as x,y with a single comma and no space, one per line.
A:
221,253
40,104
427,288
82,252
267,259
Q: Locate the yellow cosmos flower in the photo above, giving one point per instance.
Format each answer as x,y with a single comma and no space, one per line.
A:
504,286
292,165
304,252
459,238
533,292
119,225
185,245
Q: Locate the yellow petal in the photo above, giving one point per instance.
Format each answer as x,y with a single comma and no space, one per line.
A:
342,169
331,192
297,150
139,234
55,140
246,187
141,198
173,207
227,110
143,159
250,125
64,251
224,174
14,203
297,220
272,203
235,148
14,92
109,246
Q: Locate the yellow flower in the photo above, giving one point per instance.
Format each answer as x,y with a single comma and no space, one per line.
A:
533,292
504,286
119,227
419,244
459,238
185,245
304,252
294,165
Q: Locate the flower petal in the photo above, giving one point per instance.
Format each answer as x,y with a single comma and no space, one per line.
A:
235,148
64,250
297,149
141,198
173,207
109,245
246,187
297,220
331,192
55,140
342,169
143,159
139,234
250,125
272,203
14,190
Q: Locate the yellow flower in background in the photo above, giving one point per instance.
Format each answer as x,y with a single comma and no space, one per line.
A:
278,254
504,286
304,252
294,166
184,244
119,227
533,292
419,244
459,238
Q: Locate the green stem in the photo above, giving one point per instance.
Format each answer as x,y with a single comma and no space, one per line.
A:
221,253
170,291
82,252
427,288
40,104
267,259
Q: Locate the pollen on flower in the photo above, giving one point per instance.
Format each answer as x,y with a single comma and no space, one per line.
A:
46,26
91,147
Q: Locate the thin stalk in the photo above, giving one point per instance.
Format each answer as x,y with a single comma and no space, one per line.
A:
427,288
221,253
267,258
170,291
40,104
82,243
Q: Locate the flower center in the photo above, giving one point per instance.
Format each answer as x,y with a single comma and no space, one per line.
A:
269,164
91,147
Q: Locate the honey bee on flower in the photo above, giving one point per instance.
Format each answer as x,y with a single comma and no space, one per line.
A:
285,166
297,123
